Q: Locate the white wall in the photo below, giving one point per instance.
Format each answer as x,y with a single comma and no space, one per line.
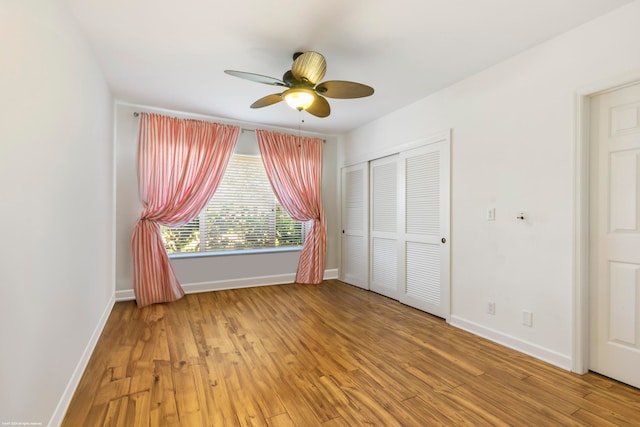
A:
513,147
56,190
213,272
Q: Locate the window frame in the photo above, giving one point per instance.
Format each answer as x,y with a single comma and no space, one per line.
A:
249,148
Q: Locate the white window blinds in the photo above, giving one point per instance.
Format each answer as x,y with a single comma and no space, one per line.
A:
243,214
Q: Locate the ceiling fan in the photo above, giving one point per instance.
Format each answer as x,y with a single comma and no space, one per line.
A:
303,90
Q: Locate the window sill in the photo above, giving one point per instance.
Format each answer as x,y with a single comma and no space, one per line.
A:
236,252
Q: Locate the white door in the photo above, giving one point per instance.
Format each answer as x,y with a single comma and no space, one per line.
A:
615,235
383,174
424,228
355,211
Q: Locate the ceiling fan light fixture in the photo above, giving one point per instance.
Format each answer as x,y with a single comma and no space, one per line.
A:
299,98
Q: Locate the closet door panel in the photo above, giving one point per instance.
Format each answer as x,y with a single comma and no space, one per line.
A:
424,224
384,265
354,259
423,272
384,180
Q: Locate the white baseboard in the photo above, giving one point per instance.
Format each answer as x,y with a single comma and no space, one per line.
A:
125,295
534,350
331,274
221,285
65,400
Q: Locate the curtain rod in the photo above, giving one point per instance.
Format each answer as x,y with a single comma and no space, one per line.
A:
136,114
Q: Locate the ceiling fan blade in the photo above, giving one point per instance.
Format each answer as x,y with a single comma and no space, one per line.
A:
343,90
310,66
267,100
320,107
256,78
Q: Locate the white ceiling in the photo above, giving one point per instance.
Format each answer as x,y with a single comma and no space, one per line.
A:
171,54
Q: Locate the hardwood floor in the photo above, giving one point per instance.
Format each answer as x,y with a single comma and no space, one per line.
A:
328,355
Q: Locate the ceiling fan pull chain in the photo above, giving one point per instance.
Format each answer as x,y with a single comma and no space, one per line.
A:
300,121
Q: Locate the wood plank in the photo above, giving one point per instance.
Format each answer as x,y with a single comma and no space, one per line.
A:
282,420
116,413
519,405
591,419
432,409
576,392
620,410
330,355
163,408
139,408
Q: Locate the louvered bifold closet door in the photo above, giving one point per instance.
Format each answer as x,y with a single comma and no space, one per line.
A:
424,224
354,260
384,225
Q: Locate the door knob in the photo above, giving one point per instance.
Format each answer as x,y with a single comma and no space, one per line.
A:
443,240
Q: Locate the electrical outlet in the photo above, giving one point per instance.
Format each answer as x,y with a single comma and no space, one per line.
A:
527,318
491,214
491,308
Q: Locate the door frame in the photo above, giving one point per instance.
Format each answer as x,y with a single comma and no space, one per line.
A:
580,304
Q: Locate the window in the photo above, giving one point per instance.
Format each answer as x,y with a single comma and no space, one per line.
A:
243,214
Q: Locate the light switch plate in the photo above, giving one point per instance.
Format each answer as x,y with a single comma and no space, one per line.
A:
527,318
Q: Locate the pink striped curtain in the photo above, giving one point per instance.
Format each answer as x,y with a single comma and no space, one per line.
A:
180,163
294,168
